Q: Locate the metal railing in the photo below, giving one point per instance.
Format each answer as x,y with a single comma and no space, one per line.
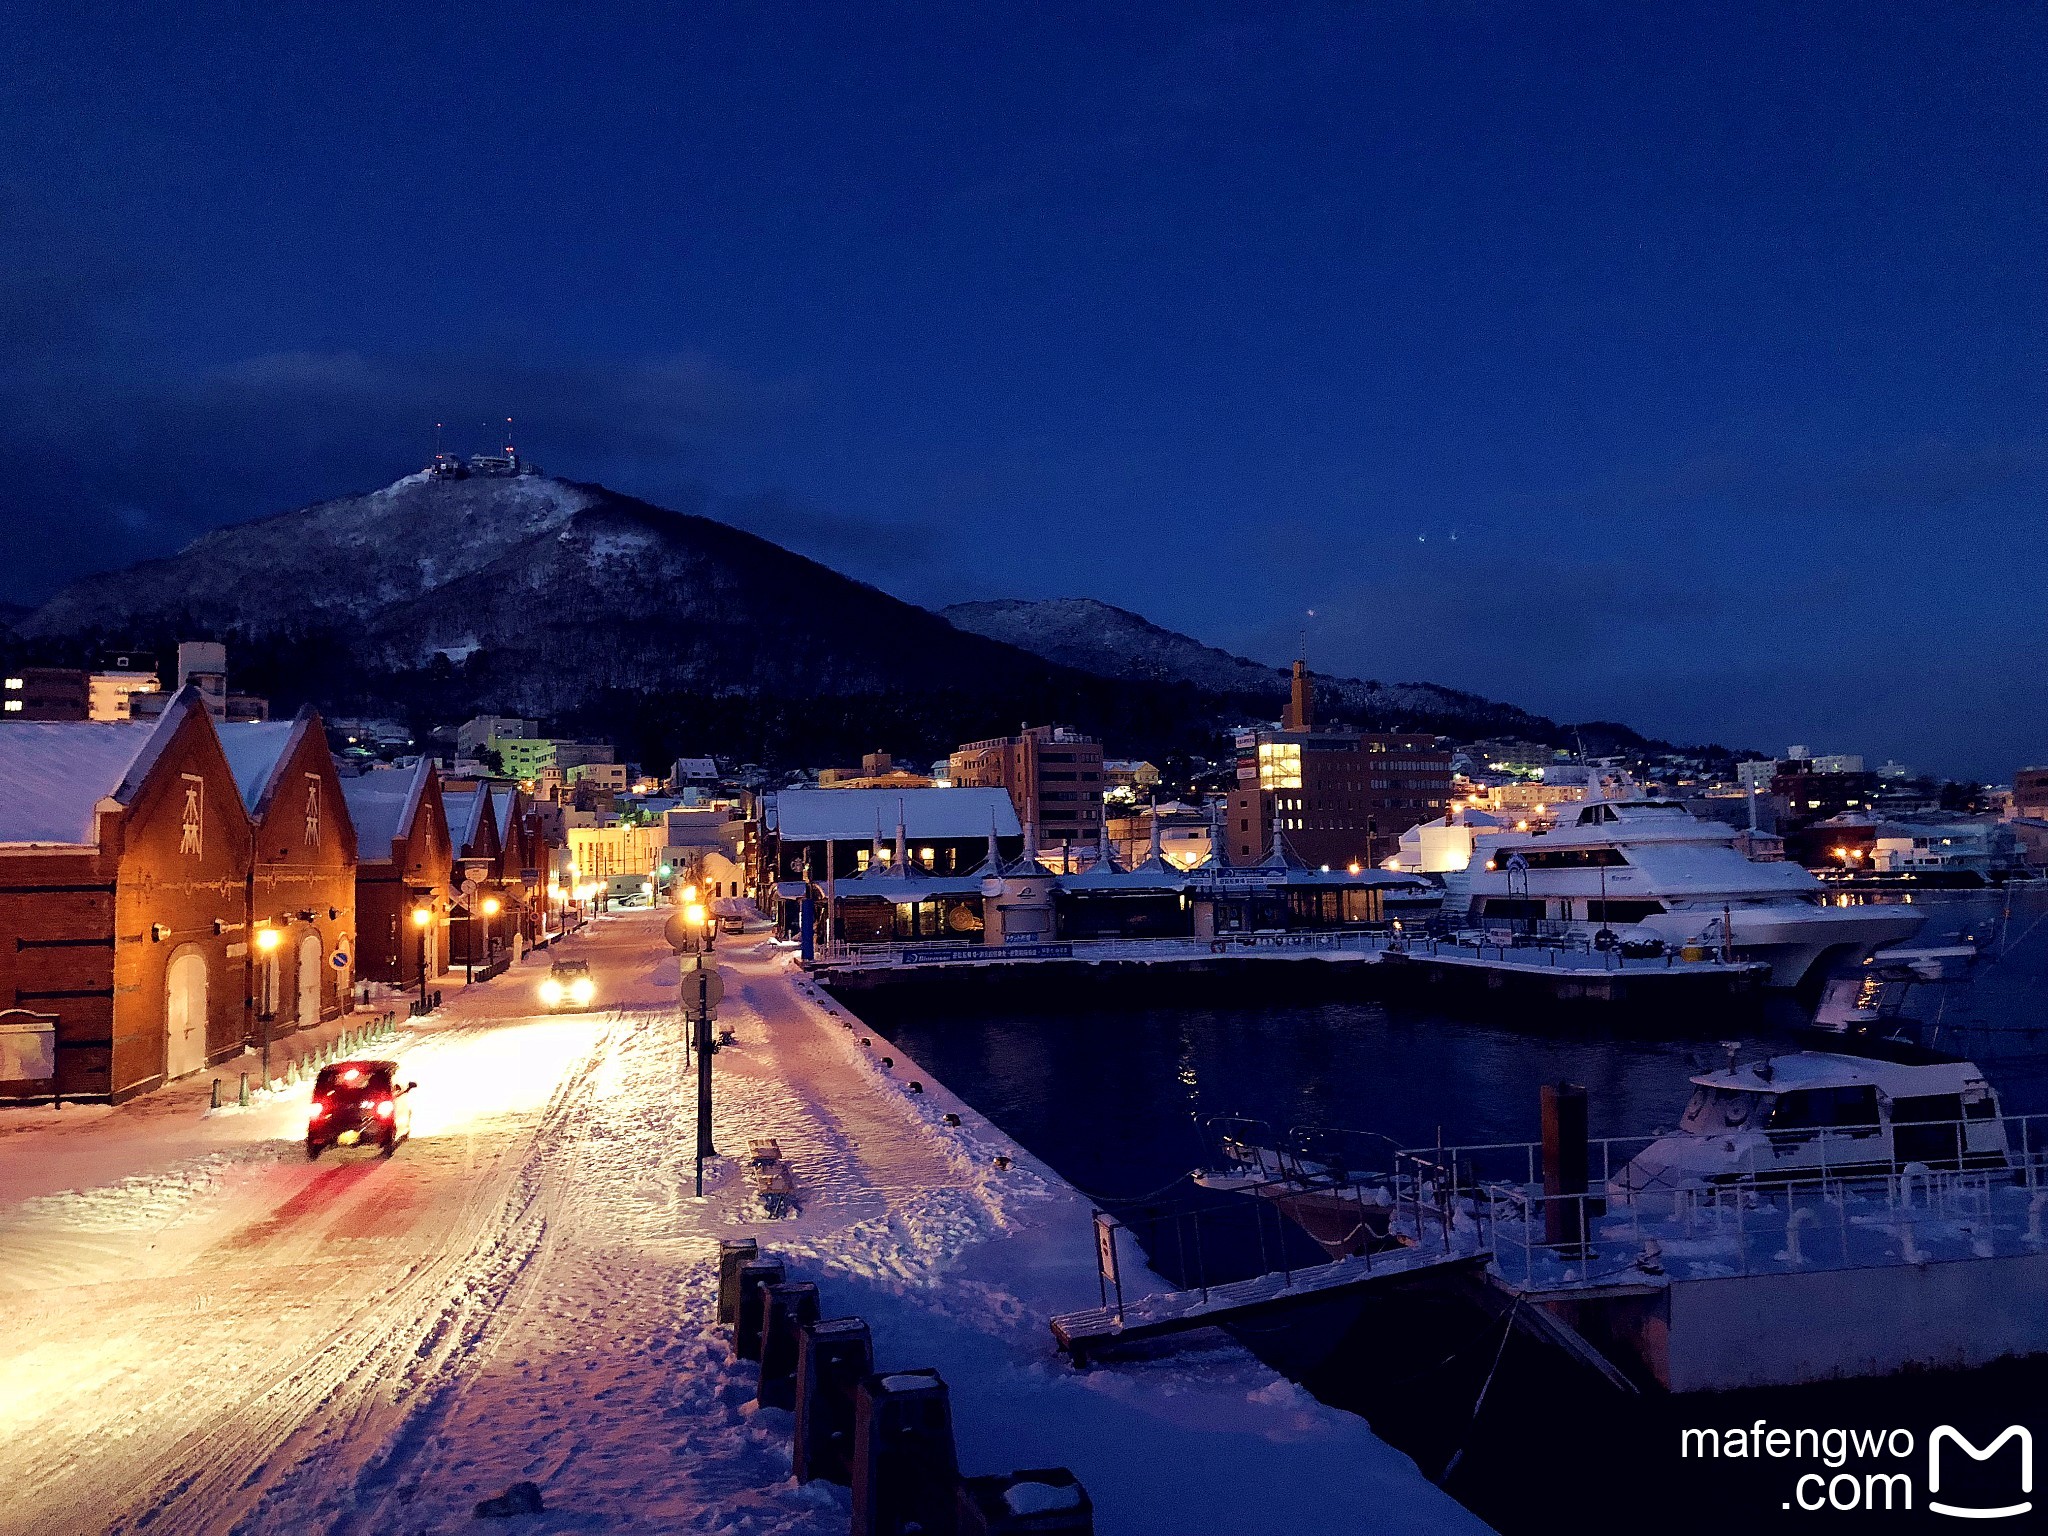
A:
959,952
1604,1228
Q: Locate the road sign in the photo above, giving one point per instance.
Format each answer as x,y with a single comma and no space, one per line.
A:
702,990
680,935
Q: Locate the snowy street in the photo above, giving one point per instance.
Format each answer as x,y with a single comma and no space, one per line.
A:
209,1332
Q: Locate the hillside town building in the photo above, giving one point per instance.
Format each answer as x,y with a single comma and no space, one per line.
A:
1335,797
1053,777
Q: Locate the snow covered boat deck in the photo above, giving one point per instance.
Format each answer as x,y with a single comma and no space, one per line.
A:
1761,1283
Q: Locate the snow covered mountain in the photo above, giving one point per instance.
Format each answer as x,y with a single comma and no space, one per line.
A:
526,594
1097,637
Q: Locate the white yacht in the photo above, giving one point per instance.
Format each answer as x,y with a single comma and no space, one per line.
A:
1815,1114
1630,870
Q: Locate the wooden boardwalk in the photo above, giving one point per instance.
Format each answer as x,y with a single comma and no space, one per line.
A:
1095,1329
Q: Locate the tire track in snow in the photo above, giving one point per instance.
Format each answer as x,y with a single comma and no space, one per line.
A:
209,1469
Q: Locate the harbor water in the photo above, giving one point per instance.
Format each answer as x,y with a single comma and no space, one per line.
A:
1120,1101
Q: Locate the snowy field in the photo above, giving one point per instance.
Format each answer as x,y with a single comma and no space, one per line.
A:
209,1333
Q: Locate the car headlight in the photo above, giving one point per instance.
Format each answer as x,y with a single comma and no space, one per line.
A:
551,991
583,991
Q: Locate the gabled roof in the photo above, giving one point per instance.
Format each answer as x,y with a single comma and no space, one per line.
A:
469,818
851,815
382,803
53,773
257,750
504,801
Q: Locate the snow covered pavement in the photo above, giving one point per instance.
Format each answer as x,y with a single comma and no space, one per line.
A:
209,1333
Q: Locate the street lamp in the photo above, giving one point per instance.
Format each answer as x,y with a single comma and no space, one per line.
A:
694,914
492,907
421,916
267,941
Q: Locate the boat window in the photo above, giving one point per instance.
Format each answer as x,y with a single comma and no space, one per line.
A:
1690,1120
1719,1109
1923,1108
1572,858
1621,911
1978,1104
1847,1108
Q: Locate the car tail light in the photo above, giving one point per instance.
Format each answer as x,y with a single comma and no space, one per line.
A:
385,1109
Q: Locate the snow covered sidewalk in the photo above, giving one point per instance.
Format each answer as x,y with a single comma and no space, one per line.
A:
958,1264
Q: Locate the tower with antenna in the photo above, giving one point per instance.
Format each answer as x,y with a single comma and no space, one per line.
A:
444,466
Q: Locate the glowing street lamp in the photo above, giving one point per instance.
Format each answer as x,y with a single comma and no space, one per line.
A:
421,916
267,942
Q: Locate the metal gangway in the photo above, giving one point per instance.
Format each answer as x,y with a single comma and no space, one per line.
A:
1363,1241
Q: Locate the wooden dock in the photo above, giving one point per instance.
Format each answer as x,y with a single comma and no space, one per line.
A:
1096,1329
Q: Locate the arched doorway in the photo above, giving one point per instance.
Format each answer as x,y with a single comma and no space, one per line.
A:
309,981
185,1014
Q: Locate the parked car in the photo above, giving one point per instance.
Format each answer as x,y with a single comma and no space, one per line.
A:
568,985
359,1103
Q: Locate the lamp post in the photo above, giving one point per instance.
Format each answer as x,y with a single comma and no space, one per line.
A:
421,916
694,914
267,941
492,907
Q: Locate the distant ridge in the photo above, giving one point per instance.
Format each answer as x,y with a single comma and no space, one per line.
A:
1093,636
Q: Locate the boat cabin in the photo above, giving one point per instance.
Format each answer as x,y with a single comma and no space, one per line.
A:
1822,1114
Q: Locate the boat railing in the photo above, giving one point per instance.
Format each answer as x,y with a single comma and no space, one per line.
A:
1832,1215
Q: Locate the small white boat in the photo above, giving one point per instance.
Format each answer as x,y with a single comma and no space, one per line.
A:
1825,1114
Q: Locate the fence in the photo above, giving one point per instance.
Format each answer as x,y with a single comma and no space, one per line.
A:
839,954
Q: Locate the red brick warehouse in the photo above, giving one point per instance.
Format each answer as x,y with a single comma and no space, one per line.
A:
124,863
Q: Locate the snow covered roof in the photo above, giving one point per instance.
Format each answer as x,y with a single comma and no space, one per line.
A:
382,804
852,815
918,886
504,799
53,772
254,749
465,808
1105,877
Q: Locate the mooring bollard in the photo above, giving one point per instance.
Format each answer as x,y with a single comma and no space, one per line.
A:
216,1093
755,1278
790,1306
1044,1501
904,1465
832,1358
244,1097
732,1253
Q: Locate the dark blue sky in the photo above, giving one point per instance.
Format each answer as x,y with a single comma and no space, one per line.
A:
1676,364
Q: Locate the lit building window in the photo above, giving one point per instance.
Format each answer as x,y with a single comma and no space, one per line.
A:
13,706
14,682
1279,765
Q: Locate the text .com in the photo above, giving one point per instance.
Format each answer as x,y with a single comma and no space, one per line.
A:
1884,1469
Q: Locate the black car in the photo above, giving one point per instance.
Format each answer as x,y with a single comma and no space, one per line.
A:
359,1103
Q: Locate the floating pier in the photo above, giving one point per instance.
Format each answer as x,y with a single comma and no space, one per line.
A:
1482,978
1081,1334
